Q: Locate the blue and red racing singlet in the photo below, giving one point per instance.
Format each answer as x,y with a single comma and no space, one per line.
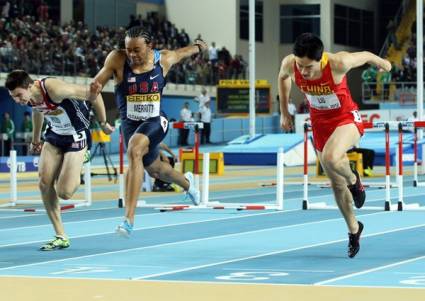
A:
138,96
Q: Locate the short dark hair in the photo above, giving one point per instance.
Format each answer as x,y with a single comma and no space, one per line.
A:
308,45
18,79
139,32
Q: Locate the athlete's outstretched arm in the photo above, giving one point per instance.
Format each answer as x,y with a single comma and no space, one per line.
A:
347,60
109,68
171,57
59,90
284,84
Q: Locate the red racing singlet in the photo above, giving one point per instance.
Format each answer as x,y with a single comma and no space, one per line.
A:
331,105
326,99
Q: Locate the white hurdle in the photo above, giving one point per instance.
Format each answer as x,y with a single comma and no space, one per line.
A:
206,203
277,205
416,182
65,204
401,205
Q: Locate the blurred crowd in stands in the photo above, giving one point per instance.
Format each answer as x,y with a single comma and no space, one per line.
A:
32,41
401,81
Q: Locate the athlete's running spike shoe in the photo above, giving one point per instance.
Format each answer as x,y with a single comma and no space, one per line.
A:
58,242
125,229
354,241
192,193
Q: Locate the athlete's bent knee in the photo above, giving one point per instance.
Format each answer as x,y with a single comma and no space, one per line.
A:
154,172
64,193
331,160
44,185
136,150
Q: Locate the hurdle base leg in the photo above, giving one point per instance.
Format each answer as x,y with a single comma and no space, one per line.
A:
305,205
387,206
400,206
120,203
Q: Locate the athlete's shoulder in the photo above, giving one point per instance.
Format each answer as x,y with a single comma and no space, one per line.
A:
337,60
287,65
288,60
116,58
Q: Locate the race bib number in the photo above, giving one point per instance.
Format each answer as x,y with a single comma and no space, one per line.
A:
357,117
143,106
80,136
323,102
59,121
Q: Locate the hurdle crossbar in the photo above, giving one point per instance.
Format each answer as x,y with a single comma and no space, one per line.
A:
276,205
387,184
65,204
206,203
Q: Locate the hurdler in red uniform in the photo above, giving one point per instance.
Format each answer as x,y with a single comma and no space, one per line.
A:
331,104
336,123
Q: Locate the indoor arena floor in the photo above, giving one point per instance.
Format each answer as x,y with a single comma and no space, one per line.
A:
206,254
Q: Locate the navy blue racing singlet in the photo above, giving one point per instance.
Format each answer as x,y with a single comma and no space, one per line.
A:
138,96
66,118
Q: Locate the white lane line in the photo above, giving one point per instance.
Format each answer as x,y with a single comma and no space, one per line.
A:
278,270
370,270
27,215
272,253
188,241
155,227
408,273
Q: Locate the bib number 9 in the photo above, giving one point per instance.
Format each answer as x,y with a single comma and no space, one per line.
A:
357,117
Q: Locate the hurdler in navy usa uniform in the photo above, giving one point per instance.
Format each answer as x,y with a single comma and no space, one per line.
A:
139,74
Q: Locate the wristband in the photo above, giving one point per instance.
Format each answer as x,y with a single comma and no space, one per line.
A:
199,47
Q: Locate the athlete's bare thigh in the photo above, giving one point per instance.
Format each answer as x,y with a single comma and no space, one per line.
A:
342,139
69,177
50,163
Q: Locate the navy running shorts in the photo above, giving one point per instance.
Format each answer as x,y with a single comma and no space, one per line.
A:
154,128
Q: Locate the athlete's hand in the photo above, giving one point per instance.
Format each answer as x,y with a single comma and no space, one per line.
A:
286,122
95,89
107,128
385,66
201,43
35,148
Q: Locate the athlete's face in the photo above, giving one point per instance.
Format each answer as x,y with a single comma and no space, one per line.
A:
308,68
21,96
137,50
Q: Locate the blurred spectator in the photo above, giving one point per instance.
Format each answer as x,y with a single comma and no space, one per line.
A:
27,123
8,132
213,56
414,117
27,130
5,10
34,42
206,120
391,29
134,22
43,11
183,38
369,77
202,99
185,116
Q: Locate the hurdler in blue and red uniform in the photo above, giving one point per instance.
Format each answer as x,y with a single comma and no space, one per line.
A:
139,73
